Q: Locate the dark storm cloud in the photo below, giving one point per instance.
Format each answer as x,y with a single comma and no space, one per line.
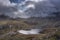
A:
4,9
16,1
7,10
45,8
42,8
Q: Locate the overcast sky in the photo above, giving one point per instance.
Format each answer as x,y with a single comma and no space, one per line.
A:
28,8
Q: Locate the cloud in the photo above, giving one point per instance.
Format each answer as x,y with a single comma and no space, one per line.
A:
44,8
14,9
36,0
31,6
7,8
28,8
6,3
24,6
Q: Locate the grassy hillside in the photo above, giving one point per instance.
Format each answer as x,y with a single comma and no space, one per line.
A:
8,29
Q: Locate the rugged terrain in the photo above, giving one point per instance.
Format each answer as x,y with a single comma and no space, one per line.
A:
9,28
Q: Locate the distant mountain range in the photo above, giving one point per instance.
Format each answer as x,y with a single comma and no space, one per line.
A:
53,16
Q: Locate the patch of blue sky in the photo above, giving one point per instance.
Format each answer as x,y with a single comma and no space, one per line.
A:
16,1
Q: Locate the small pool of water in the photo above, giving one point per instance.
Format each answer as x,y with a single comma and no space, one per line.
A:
31,31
